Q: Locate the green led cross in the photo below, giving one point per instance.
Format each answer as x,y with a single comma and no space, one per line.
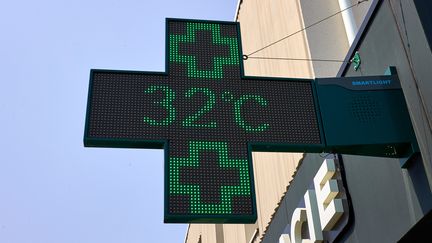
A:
181,181
193,33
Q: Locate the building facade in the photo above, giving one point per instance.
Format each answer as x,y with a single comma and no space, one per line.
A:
386,202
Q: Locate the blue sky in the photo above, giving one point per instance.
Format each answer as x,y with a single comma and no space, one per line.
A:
52,189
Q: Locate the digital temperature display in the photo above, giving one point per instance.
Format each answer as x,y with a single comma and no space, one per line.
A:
207,116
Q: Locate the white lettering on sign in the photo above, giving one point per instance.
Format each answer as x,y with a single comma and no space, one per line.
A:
327,189
297,220
323,208
313,218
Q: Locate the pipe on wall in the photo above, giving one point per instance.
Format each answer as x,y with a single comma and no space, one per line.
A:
348,20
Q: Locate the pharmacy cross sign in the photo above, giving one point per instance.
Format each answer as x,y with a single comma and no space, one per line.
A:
207,116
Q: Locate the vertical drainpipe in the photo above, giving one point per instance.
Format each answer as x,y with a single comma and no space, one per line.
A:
349,20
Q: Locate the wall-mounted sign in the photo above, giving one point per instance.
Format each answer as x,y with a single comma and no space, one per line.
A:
207,116
365,116
322,208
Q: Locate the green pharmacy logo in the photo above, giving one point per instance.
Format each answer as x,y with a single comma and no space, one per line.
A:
220,51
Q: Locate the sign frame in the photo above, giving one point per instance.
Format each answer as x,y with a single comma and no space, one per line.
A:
164,144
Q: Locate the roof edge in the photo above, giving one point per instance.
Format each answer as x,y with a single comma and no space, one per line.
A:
187,234
237,10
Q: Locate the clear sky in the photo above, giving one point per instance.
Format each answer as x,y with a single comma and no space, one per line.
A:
52,189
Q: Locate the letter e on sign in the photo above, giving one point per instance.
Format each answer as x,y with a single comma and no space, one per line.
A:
327,189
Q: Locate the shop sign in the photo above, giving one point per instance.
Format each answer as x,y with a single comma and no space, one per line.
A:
322,208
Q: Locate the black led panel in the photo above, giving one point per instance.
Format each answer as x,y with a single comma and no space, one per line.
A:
207,116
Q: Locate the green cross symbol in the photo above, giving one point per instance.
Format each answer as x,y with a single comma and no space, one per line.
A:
228,192
216,71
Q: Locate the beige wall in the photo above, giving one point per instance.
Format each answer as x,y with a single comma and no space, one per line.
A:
273,172
265,21
205,232
327,40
